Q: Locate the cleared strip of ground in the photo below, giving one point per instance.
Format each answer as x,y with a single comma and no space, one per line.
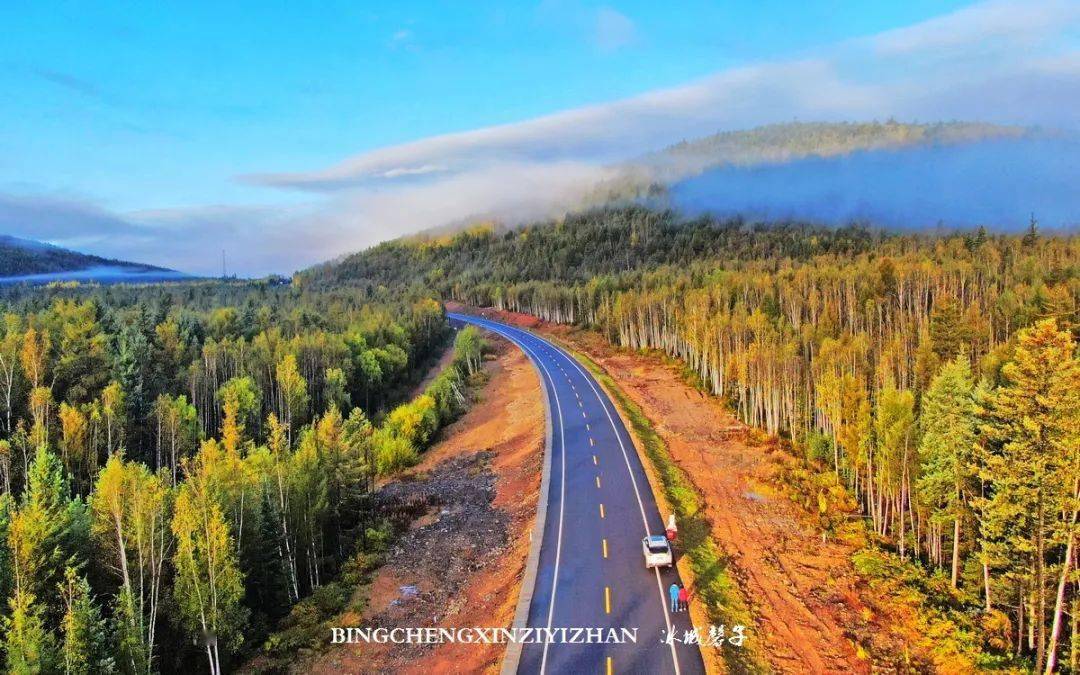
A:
461,564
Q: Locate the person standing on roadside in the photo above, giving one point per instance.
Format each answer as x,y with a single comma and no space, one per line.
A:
684,598
673,591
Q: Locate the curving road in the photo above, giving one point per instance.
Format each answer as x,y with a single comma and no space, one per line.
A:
591,571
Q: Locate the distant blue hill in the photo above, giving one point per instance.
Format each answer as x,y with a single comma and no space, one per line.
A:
998,183
26,261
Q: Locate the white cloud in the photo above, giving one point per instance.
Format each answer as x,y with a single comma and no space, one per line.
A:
965,65
1015,22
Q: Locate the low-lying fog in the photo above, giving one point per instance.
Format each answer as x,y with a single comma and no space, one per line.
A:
993,183
102,275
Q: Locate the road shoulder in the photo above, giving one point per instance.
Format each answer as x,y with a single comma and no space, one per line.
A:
483,480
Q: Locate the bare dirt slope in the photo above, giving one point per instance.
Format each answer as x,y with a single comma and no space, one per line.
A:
461,564
804,594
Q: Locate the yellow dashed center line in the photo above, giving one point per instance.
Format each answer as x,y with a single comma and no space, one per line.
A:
601,510
594,461
583,415
592,443
605,548
587,427
607,599
609,670
598,481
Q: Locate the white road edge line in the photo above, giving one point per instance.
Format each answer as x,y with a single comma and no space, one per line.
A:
562,483
637,493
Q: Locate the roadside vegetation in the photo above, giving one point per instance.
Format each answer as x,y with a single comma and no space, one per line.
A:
187,471
931,381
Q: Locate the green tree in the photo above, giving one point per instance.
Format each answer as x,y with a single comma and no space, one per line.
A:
1033,426
370,372
134,366
336,389
894,427
81,368
30,648
209,585
469,347
947,449
948,333
239,398
310,502
292,392
392,451
113,410
130,510
49,531
83,648
178,432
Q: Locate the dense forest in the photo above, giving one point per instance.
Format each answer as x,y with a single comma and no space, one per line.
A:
935,377
180,465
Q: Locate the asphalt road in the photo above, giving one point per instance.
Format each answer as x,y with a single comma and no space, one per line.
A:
591,570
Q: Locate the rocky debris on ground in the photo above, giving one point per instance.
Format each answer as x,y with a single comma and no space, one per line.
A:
462,534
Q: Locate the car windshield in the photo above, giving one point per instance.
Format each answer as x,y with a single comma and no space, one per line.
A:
657,545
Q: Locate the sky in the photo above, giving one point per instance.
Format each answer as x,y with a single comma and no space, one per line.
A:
290,133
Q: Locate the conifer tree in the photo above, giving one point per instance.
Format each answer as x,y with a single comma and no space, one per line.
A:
83,648
947,449
1033,425
49,530
29,646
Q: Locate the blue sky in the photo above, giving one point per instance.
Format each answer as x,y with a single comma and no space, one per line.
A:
152,114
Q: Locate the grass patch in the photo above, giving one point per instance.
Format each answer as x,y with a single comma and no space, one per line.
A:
715,586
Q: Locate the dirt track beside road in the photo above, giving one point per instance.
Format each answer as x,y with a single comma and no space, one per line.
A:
461,564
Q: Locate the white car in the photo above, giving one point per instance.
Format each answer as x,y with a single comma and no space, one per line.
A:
657,551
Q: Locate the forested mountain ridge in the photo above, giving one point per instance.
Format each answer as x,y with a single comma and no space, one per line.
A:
583,246
794,140
933,377
652,174
22,257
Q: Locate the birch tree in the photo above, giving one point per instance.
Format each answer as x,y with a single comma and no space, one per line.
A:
209,584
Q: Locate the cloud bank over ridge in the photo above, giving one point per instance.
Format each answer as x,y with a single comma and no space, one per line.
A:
1001,61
